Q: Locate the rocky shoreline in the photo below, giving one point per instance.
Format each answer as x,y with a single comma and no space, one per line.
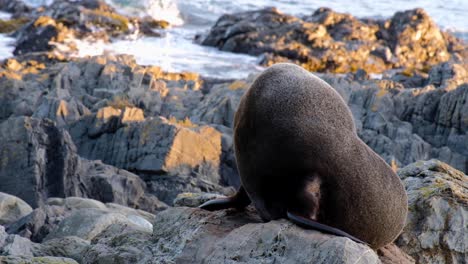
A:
101,158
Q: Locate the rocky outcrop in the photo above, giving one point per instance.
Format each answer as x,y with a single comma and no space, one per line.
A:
42,159
436,229
333,42
55,27
65,92
234,236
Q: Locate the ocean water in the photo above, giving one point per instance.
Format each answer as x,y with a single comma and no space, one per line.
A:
177,51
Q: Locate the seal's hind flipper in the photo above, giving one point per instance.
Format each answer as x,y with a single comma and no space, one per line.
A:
311,224
238,200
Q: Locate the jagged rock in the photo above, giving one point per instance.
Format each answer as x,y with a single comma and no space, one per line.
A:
334,42
46,164
436,229
109,184
38,157
66,92
415,39
39,34
448,75
165,145
45,219
12,208
235,237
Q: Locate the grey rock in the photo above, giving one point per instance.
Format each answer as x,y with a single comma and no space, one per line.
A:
448,75
14,245
88,223
227,237
69,247
40,158
36,260
436,229
47,164
46,219
12,208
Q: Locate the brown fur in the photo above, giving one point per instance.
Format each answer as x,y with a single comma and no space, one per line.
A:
297,150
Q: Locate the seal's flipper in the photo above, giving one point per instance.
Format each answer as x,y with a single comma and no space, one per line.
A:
311,224
239,200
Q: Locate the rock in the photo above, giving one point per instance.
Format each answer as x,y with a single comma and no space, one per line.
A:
40,158
166,145
109,184
38,35
36,260
12,208
415,39
236,237
88,223
436,229
14,245
70,247
39,223
45,219
45,160
66,92
327,41
448,75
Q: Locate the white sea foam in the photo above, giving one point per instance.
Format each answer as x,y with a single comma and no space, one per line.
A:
158,9
175,53
6,46
4,15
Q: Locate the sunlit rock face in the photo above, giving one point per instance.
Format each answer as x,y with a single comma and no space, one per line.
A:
327,41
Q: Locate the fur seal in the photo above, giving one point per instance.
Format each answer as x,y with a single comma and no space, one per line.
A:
299,157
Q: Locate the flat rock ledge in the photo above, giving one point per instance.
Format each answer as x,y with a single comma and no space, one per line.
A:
191,235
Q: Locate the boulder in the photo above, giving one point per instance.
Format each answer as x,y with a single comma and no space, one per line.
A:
12,208
46,219
436,229
88,223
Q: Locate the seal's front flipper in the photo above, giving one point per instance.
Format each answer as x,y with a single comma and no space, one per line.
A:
240,200
311,224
